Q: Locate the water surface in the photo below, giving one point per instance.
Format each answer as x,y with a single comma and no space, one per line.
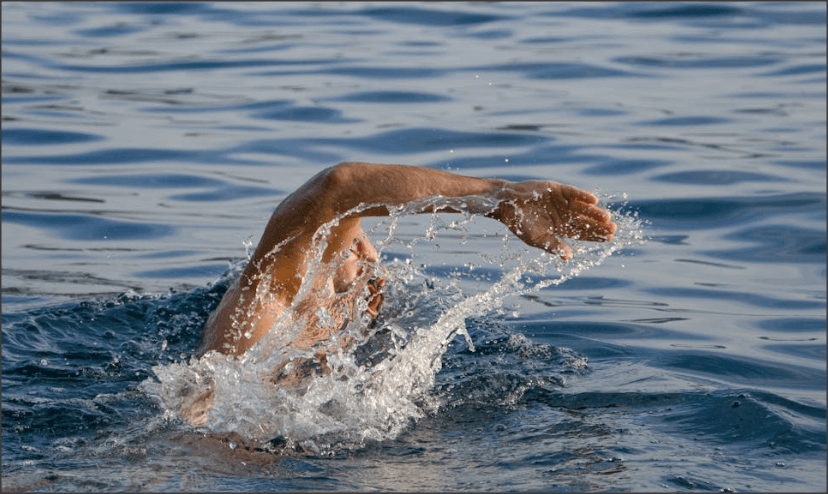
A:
144,146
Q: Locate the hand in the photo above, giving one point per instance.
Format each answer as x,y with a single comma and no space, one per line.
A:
539,212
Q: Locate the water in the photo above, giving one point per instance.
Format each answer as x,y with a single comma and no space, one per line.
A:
145,145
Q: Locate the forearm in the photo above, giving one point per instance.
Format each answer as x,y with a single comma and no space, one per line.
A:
536,211
350,185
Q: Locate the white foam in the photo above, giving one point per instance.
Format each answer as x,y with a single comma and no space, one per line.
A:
422,314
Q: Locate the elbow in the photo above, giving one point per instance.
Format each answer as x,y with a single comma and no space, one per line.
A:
333,178
331,190
343,174
350,185
343,179
326,183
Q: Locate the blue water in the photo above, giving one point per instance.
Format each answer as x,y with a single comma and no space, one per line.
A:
144,146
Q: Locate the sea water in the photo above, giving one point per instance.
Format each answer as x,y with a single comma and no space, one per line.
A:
145,145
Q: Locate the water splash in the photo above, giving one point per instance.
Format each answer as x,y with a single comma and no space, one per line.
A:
382,374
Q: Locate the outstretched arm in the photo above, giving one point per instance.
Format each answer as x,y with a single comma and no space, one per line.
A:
538,212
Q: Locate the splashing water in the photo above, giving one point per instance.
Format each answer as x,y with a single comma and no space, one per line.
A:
383,381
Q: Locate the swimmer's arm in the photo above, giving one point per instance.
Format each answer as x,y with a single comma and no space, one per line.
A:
537,211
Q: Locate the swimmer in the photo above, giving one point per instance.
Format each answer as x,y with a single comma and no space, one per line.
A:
538,212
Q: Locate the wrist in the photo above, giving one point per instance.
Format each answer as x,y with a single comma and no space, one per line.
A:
503,192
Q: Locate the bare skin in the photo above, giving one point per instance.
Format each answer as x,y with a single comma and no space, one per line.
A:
538,212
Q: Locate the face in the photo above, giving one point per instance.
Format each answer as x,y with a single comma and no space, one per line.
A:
358,269
339,291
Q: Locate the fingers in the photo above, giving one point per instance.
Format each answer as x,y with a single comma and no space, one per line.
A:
582,220
594,225
564,251
574,194
550,242
375,296
590,210
560,248
365,250
587,221
591,233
